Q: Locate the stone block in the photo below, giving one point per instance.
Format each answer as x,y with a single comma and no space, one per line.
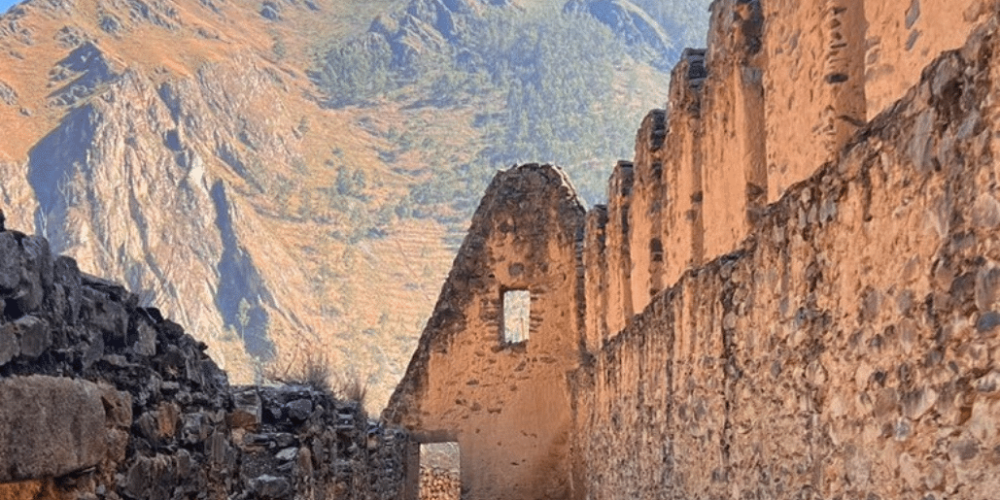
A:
300,409
67,299
10,263
10,345
51,427
246,410
35,336
145,342
267,486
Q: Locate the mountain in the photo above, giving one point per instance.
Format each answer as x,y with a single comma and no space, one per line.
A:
290,178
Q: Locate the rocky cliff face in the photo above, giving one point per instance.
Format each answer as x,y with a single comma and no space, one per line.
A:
102,398
173,147
184,148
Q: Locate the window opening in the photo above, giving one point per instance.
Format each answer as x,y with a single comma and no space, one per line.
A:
516,316
656,250
440,471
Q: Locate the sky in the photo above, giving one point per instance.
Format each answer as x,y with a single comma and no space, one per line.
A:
5,4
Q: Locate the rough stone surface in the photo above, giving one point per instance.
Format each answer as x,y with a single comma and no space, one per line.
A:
51,427
846,348
733,169
101,398
507,405
823,322
617,251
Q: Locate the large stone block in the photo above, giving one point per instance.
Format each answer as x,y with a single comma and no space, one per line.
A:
50,427
25,272
35,336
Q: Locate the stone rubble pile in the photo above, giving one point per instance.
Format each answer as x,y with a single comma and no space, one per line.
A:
102,398
438,483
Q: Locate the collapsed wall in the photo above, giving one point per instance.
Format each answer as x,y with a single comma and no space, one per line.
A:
847,348
103,398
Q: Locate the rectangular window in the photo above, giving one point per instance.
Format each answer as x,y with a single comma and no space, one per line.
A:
516,316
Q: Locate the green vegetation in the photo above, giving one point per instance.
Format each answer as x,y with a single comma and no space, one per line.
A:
547,86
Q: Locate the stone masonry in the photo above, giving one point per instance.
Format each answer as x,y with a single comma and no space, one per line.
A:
506,405
847,348
103,398
790,293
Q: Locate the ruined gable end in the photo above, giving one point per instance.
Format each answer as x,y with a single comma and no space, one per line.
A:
490,369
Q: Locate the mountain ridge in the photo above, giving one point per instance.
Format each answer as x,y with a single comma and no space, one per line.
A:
182,148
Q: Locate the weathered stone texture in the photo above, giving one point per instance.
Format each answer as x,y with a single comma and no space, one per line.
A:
507,405
646,211
596,279
846,349
904,35
835,65
734,177
102,398
618,252
814,85
682,219
51,427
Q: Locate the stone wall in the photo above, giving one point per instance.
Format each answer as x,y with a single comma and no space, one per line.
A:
904,35
617,250
683,236
103,398
507,405
834,64
734,179
848,347
645,224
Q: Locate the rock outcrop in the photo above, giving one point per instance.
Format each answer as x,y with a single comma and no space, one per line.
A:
102,398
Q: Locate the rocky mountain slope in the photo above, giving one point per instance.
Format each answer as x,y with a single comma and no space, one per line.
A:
197,152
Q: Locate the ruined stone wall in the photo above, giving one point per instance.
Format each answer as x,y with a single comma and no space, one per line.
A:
779,92
596,279
813,84
903,36
617,250
646,212
103,398
682,220
506,404
834,64
848,348
734,178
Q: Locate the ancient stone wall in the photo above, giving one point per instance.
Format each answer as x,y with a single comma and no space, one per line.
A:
103,398
682,159
848,348
904,35
834,64
780,91
813,85
645,214
617,250
734,179
596,279
506,404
